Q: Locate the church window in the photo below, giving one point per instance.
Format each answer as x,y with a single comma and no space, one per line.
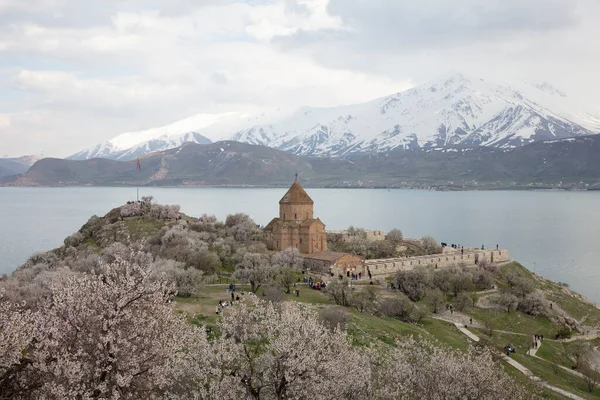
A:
295,216
300,240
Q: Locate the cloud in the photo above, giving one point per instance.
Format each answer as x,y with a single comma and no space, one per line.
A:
76,73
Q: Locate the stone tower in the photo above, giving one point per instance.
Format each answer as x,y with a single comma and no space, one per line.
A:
296,225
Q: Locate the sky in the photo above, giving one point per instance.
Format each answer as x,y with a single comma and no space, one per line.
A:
75,73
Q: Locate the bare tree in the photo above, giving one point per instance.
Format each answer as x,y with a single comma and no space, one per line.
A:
578,352
414,283
395,235
339,292
334,318
508,301
519,284
591,377
286,278
430,245
435,299
255,269
289,257
534,304
273,293
363,300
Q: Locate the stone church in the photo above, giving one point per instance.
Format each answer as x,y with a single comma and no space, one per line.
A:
296,225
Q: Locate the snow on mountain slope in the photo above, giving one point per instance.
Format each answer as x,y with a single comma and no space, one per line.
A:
132,144
453,110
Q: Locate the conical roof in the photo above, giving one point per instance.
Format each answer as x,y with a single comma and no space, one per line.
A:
296,194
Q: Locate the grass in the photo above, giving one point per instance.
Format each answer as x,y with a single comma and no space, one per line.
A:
141,227
517,322
556,376
308,295
364,329
446,333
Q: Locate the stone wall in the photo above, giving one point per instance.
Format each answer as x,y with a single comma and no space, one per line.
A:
372,235
295,211
470,258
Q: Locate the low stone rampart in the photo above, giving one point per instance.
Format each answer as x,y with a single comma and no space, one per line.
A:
470,257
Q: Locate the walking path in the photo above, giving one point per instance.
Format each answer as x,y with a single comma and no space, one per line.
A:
518,366
467,332
533,350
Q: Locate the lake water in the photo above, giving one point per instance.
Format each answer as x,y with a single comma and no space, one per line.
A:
557,234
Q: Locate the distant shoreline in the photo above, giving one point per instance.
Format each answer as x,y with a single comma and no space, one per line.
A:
307,185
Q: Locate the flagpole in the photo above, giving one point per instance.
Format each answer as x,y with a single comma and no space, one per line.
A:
139,168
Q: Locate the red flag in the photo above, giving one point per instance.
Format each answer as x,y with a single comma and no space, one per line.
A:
139,166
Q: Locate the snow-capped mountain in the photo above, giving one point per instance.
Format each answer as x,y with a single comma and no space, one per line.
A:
453,110
131,144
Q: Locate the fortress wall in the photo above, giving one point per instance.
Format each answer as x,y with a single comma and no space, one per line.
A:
372,235
391,265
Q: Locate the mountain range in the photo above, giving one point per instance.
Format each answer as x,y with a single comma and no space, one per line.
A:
572,162
16,166
454,110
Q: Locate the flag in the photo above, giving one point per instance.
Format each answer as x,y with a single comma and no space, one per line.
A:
139,166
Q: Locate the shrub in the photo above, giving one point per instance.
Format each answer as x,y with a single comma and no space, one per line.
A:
339,292
430,245
395,235
534,304
463,302
74,240
435,299
508,301
334,317
483,279
273,294
413,283
402,308
363,300
519,284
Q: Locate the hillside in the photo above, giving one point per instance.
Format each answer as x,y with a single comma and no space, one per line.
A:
542,164
499,305
16,166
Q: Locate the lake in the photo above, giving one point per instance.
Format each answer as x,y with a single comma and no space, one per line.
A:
556,234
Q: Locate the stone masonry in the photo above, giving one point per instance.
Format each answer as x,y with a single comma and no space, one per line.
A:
470,257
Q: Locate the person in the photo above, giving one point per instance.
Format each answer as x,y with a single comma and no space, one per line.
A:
496,247
237,298
470,321
359,275
482,247
297,292
232,296
462,252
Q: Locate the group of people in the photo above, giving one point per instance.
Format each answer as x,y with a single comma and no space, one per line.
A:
537,340
235,298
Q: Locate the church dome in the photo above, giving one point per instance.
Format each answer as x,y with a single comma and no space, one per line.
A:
296,194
